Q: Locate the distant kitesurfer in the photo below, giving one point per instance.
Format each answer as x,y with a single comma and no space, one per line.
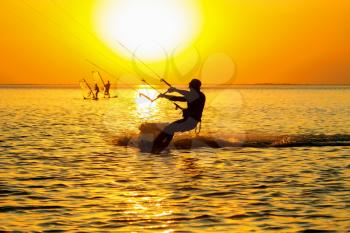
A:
97,90
107,87
192,115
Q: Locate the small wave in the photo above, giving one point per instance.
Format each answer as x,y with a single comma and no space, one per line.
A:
316,231
37,178
8,192
149,131
216,194
24,208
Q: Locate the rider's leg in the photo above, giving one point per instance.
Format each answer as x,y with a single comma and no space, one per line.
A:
167,134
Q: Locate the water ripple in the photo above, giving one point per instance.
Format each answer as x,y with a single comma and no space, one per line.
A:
63,174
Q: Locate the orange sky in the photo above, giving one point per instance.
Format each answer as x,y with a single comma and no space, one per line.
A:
270,41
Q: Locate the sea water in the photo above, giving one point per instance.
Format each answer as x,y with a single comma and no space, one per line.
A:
62,170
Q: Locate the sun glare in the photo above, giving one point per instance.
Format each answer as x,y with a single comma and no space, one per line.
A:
145,107
150,29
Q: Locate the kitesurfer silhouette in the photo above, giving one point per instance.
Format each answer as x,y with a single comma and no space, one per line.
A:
107,87
97,90
192,115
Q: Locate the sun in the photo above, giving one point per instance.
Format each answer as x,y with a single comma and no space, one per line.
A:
148,29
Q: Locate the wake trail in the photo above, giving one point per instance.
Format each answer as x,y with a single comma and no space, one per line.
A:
149,131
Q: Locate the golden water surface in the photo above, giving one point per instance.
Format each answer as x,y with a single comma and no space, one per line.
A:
60,171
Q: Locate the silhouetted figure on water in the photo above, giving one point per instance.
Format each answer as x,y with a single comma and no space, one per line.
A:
107,88
192,115
97,90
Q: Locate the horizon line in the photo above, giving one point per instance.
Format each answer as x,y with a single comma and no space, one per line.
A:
133,84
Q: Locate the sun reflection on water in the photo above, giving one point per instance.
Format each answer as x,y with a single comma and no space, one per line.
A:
145,108
153,211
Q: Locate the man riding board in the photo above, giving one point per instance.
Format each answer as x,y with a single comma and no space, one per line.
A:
192,115
107,88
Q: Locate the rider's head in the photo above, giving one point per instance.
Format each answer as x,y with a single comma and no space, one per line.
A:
195,84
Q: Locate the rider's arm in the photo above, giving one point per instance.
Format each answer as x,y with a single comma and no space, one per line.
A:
175,98
183,92
186,94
